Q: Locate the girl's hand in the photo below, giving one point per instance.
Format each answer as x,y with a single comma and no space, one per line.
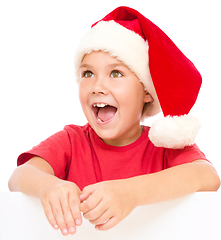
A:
107,203
61,203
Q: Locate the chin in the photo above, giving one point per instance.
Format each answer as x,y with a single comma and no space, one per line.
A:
106,135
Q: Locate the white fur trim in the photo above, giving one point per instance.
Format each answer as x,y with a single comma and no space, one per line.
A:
174,132
126,46
120,42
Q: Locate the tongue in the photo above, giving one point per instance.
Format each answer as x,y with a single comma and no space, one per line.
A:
106,113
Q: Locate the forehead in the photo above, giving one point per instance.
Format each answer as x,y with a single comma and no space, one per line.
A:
100,58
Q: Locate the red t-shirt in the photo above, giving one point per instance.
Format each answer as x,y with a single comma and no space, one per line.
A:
77,154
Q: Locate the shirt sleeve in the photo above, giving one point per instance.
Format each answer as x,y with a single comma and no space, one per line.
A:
56,150
174,157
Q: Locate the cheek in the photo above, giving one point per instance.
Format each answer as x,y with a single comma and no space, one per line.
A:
82,93
134,97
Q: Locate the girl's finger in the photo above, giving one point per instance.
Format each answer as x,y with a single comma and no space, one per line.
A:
49,214
87,191
104,217
74,204
59,216
110,223
96,212
68,217
91,202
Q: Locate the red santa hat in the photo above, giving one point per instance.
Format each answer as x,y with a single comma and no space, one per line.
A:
166,73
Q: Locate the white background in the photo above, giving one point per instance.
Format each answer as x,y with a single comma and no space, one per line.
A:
38,93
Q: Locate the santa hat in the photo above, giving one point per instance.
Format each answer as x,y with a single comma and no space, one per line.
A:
166,73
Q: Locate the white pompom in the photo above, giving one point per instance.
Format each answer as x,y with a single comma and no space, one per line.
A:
174,131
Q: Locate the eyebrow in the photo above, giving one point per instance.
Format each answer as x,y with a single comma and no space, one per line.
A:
85,66
117,65
110,65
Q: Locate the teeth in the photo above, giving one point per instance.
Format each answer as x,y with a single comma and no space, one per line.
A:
99,119
100,105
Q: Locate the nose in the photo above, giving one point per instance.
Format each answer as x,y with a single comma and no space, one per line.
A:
100,86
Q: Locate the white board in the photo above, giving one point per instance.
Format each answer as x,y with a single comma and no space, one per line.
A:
197,216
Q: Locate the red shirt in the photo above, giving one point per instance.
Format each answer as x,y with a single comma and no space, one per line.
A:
77,154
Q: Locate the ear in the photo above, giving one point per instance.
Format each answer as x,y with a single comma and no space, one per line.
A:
148,98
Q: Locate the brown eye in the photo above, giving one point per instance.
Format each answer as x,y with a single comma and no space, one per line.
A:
116,74
88,74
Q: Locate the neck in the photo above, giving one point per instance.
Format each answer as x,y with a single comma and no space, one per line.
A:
122,141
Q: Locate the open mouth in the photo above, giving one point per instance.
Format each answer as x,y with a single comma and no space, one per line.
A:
104,112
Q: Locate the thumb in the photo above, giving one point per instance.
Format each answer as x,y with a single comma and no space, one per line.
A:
87,191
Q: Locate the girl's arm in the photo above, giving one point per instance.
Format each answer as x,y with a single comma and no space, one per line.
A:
59,198
176,182
29,177
111,201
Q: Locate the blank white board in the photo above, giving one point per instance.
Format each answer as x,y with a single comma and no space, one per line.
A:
196,216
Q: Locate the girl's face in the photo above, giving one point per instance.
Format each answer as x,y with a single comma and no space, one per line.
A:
112,98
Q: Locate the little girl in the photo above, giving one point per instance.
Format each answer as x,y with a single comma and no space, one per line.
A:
127,70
